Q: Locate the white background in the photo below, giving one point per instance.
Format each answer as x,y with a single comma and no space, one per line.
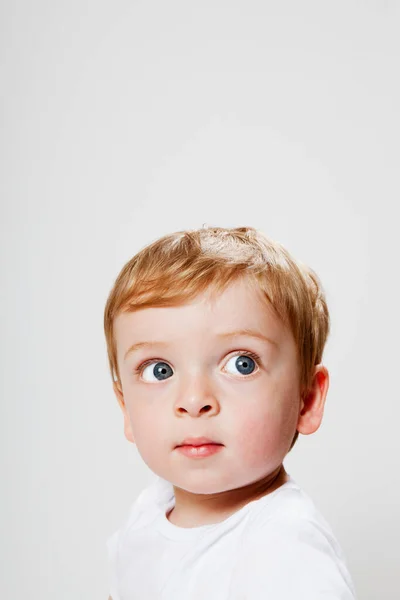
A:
123,121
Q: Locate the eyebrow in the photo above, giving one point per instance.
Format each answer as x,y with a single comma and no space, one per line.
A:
230,334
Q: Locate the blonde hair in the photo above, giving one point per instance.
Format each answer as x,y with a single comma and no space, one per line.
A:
177,267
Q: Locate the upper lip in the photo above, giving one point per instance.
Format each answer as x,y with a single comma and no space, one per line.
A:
198,441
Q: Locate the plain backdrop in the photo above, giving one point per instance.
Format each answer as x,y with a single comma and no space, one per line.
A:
123,121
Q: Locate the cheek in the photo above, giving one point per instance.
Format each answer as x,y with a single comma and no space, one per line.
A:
145,423
151,438
258,438
265,431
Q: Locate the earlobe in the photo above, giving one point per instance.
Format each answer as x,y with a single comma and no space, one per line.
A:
127,423
313,402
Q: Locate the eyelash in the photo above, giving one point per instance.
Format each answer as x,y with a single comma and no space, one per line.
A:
139,370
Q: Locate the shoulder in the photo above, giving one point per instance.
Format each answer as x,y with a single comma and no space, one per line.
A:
141,509
290,550
292,520
289,509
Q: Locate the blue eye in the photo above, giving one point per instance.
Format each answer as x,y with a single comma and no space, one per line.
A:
244,364
160,370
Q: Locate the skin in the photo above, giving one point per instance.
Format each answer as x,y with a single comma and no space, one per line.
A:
254,416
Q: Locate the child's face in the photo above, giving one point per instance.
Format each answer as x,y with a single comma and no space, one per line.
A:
203,390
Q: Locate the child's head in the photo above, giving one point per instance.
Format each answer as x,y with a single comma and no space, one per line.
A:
176,301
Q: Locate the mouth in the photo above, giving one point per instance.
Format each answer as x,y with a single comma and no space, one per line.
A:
196,442
202,451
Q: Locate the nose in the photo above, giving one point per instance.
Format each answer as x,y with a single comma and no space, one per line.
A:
196,397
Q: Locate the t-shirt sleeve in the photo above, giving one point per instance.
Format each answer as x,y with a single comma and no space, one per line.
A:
112,545
115,549
287,558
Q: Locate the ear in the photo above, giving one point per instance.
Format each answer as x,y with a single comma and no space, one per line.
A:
127,423
313,402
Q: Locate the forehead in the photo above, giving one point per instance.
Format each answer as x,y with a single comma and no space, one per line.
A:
240,306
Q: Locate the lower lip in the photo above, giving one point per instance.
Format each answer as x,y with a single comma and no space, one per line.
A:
200,451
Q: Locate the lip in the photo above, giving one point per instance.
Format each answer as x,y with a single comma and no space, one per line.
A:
200,452
199,441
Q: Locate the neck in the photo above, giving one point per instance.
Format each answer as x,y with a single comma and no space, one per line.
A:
195,510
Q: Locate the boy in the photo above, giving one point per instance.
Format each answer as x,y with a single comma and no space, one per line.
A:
215,340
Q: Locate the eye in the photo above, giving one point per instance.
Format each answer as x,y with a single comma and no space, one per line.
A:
155,371
244,363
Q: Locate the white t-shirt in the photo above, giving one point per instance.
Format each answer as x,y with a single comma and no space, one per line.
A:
278,547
